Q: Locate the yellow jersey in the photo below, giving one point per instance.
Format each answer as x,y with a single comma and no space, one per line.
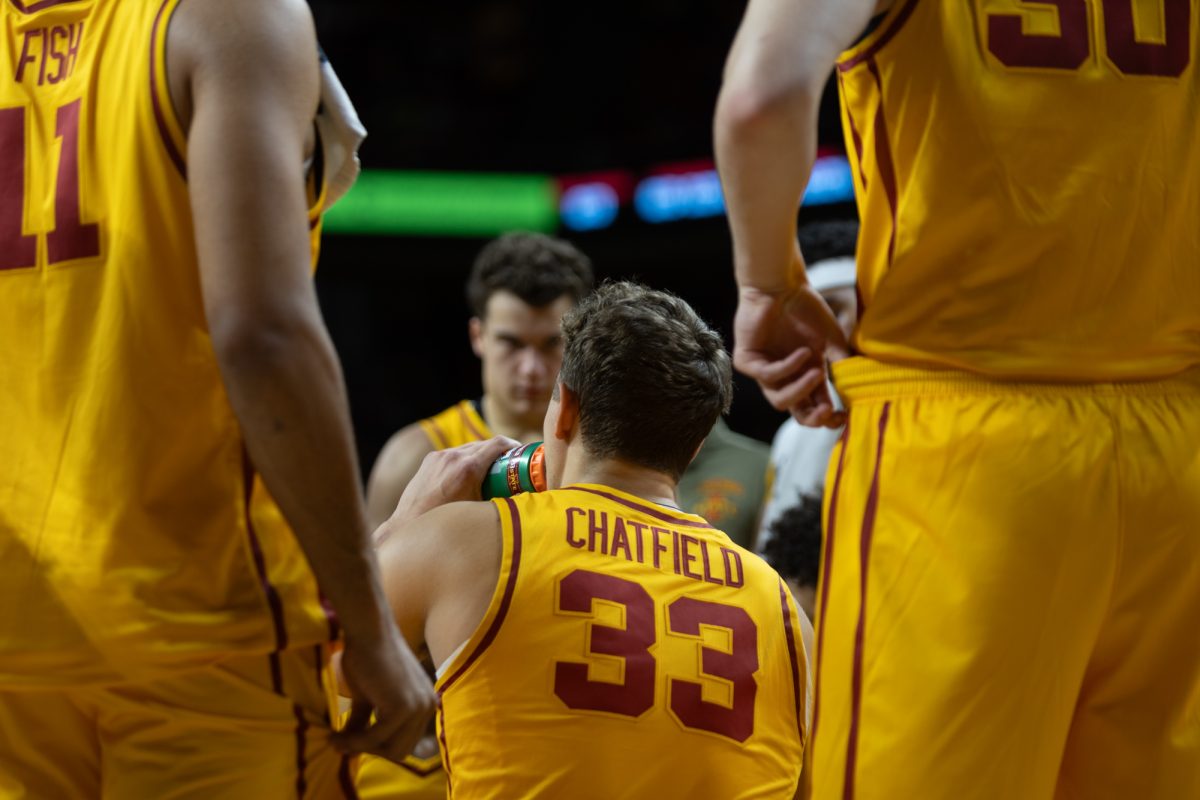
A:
459,424
1028,178
415,779
629,650
135,538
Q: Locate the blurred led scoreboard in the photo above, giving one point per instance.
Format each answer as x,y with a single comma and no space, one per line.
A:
391,202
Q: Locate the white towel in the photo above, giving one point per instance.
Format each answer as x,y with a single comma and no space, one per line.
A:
341,133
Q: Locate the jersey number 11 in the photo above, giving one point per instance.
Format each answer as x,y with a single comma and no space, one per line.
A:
71,238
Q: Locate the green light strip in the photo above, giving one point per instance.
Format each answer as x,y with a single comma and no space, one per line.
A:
445,204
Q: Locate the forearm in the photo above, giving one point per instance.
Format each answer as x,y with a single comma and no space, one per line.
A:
286,387
765,149
766,126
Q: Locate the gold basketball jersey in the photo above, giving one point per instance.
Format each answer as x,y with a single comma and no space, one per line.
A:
413,779
630,650
1028,178
457,425
134,536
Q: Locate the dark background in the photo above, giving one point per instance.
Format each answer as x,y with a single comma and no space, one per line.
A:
541,87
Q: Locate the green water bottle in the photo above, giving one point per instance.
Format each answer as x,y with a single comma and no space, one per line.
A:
522,469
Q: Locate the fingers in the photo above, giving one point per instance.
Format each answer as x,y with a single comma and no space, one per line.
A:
403,740
789,386
392,736
795,393
774,373
487,451
820,416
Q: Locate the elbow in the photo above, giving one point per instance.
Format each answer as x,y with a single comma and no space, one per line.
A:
245,343
763,84
745,107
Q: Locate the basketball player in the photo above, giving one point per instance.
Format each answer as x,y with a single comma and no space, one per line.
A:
1011,576
520,286
165,373
593,640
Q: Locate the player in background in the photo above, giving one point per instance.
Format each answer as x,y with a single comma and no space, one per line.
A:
177,447
594,641
727,482
1011,574
794,549
520,286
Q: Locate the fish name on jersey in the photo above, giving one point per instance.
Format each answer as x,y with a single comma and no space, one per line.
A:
664,548
54,50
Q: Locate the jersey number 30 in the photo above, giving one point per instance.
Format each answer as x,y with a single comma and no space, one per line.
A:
635,694
1072,46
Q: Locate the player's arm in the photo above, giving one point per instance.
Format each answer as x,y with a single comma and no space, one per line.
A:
439,551
396,465
245,80
439,571
765,131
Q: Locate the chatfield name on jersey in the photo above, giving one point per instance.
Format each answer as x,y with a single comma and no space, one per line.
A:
664,548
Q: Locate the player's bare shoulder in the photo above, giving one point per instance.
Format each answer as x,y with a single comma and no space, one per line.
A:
225,38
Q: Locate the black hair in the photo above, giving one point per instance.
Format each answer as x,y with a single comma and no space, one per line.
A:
794,549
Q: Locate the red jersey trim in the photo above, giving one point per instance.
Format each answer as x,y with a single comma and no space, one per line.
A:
883,161
855,136
301,757
33,8
160,119
470,423
797,688
419,771
274,603
434,432
346,780
441,711
885,35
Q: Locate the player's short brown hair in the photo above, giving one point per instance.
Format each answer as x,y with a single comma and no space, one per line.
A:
651,376
537,268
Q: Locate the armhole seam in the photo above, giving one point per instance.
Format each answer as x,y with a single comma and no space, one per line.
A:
502,594
165,116
870,45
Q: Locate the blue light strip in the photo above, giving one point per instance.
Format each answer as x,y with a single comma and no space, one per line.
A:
673,197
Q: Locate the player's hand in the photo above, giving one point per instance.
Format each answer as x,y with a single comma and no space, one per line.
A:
447,476
384,677
783,341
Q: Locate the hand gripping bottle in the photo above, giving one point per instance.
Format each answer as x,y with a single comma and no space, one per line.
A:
522,469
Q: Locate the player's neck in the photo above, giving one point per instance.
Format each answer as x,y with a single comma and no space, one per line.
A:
502,424
648,484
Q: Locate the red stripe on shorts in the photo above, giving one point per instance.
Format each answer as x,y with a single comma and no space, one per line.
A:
868,530
824,576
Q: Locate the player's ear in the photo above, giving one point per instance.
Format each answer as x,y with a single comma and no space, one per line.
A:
568,412
475,331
